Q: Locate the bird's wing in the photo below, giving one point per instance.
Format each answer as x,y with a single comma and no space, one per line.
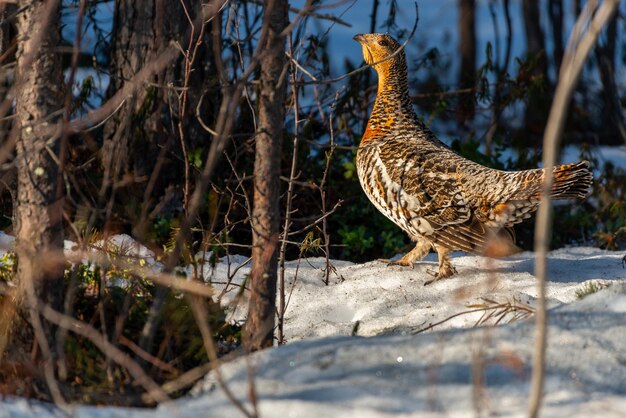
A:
426,189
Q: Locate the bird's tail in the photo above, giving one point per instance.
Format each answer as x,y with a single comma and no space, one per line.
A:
572,181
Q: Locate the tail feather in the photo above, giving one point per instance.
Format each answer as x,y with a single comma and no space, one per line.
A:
572,181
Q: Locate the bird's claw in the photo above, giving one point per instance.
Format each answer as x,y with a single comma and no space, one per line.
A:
434,274
400,262
441,274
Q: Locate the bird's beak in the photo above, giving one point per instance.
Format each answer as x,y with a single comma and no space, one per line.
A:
360,38
367,54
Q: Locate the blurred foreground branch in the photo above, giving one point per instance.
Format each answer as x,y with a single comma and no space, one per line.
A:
584,35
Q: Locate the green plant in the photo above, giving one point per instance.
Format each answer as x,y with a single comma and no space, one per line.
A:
357,240
115,298
610,213
8,266
310,244
589,288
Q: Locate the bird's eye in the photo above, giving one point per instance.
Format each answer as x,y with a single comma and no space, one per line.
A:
383,42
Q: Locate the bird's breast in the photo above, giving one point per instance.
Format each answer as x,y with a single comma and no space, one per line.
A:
387,195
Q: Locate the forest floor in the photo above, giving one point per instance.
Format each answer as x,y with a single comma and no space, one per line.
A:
376,342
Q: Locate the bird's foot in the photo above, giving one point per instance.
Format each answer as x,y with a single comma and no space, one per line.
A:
405,262
444,272
401,262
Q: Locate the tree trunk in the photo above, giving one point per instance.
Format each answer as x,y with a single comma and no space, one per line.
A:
7,177
7,53
259,329
38,211
535,43
612,117
501,69
538,105
145,144
157,126
467,49
555,11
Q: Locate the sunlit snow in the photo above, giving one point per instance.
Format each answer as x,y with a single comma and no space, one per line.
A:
375,342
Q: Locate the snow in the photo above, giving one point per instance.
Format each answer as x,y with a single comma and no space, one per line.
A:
432,374
392,299
125,244
6,243
375,342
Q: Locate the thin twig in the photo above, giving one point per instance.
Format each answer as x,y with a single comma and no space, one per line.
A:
318,220
200,314
490,309
184,380
329,156
189,55
292,176
299,67
155,361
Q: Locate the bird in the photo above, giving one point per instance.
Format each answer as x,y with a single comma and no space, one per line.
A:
442,200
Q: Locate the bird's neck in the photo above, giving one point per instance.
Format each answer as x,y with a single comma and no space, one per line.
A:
393,108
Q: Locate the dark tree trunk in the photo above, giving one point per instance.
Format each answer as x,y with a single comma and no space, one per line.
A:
152,129
259,329
373,18
7,177
373,25
7,57
38,210
535,42
146,143
7,35
611,116
555,11
7,52
501,75
537,109
467,50
7,32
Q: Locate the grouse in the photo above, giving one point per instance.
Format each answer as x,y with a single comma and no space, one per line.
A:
440,199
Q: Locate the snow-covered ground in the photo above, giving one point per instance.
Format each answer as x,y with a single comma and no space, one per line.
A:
375,342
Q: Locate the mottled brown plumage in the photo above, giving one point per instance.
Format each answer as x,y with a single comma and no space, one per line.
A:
442,200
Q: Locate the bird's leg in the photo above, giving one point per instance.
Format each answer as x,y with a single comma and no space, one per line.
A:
445,266
421,249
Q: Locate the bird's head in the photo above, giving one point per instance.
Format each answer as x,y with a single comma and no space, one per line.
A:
377,47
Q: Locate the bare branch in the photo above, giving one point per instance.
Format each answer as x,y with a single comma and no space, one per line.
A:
200,313
365,67
312,13
111,351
